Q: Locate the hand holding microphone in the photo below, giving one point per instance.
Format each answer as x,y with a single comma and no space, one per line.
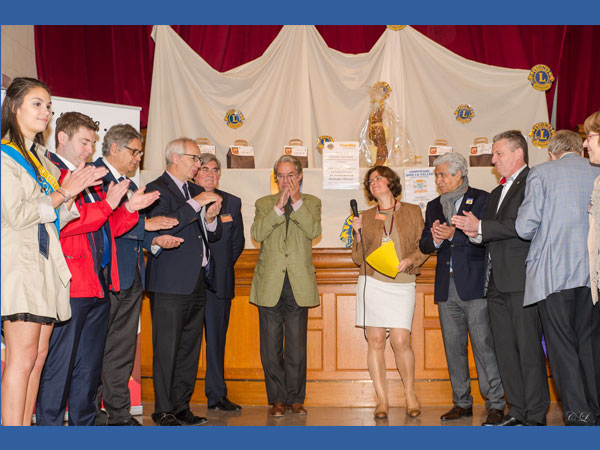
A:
357,221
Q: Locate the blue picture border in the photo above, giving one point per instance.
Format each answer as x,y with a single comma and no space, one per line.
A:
180,12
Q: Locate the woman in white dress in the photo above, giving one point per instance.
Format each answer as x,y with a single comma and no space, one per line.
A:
385,303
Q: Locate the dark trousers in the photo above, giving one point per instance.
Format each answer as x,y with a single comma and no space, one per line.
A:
177,322
119,352
518,342
73,365
216,321
284,365
572,329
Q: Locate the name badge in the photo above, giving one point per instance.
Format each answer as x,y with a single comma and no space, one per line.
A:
469,201
226,218
379,216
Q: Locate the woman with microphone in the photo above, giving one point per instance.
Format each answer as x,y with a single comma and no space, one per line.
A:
384,303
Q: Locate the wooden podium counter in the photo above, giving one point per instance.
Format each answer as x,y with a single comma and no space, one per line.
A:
337,352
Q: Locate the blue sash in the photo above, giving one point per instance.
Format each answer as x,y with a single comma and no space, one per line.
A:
43,183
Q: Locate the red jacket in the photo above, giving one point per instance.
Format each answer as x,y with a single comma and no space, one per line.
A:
76,247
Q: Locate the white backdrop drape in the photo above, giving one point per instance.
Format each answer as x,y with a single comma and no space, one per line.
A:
301,88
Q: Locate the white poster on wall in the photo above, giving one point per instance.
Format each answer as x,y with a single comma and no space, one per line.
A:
340,165
419,186
104,114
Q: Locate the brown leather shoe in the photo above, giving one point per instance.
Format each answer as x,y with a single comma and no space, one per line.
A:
494,417
456,413
278,409
298,408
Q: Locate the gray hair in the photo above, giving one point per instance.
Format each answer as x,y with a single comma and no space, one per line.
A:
288,159
121,134
455,162
515,140
176,147
205,158
565,141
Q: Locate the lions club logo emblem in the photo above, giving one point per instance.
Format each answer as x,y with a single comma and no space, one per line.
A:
321,140
234,118
541,133
464,113
541,77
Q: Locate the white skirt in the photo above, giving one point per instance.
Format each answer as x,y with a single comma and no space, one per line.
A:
388,305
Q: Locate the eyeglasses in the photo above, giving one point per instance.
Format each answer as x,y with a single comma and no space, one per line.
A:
289,176
134,151
208,169
195,157
374,180
591,135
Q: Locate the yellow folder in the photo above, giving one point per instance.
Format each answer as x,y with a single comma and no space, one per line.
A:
385,260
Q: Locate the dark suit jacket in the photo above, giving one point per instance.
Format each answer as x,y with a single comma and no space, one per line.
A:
467,258
130,256
507,249
229,247
176,271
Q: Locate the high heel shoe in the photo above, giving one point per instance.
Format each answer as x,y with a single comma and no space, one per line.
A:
413,411
381,413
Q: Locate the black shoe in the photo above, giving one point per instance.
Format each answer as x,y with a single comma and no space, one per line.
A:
165,420
225,405
187,417
457,412
509,421
494,417
533,423
131,422
101,418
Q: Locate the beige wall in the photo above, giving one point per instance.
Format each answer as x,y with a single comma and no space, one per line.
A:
18,52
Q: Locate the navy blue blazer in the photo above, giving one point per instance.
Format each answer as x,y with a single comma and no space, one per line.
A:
130,257
176,270
227,250
467,258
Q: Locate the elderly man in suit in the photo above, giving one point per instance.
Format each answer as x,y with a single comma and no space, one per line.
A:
225,253
554,216
458,293
176,279
284,285
121,154
516,330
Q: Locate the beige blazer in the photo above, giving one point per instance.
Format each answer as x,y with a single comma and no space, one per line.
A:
409,224
281,251
30,282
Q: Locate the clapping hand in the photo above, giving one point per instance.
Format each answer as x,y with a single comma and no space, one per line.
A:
140,200
82,177
160,223
441,232
468,223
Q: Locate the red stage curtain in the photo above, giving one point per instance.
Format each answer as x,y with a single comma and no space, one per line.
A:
114,63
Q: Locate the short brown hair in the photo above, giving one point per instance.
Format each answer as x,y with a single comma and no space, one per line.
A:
71,122
393,181
592,123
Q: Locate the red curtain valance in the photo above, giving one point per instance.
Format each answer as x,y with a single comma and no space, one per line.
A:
114,63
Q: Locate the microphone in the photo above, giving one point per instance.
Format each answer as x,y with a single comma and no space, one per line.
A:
354,208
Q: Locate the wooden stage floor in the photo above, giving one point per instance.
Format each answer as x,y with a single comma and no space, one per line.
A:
341,416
